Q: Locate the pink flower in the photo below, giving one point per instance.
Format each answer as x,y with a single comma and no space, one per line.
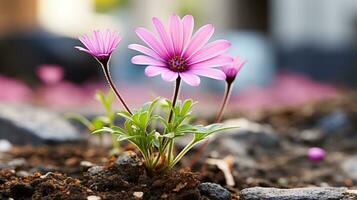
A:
176,53
101,45
233,68
50,74
316,154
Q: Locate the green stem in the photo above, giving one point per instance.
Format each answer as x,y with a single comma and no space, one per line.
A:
182,153
170,153
112,85
226,97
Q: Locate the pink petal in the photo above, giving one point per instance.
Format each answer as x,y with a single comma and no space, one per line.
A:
165,38
213,62
210,72
199,39
176,33
151,41
145,51
211,50
82,49
146,60
169,75
188,23
154,70
190,78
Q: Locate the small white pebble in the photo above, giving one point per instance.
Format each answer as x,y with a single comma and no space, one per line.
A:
5,146
47,174
93,198
138,194
86,164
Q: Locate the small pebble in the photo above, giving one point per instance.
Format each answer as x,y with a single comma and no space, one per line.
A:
93,198
95,170
86,164
138,194
214,191
47,174
316,154
22,173
18,162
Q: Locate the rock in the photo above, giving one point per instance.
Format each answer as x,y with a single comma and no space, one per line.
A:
21,124
128,165
313,193
349,166
214,191
335,122
93,198
17,162
93,171
22,173
246,142
138,194
127,158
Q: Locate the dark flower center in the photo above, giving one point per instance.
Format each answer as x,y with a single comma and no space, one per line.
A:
177,64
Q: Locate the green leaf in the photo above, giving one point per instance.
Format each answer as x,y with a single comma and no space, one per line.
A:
186,107
125,115
81,119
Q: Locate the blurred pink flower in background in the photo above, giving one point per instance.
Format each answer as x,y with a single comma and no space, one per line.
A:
176,53
13,90
50,74
288,89
67,95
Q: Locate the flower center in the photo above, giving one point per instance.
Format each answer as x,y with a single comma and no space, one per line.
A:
178,64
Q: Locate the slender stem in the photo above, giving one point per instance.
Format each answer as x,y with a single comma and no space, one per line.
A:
182,153
202,148
170,153
112,85
175,96
224,102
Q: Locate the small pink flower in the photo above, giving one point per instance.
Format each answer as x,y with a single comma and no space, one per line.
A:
101,44
50,74
233,68
176,53
316,154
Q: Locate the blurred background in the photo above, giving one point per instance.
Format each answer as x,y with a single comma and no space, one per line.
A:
296,50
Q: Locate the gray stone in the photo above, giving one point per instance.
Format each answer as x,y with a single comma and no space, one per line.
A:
214,191
349,166
126,159
334,122
93,171
17,162
249,139
23,124
313,193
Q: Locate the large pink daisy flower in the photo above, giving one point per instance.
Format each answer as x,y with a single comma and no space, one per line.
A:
176,53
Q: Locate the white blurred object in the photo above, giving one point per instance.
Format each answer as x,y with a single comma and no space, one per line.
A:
5,146
73,18
321,22
256,49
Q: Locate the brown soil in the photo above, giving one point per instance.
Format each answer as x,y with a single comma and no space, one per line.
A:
111,182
